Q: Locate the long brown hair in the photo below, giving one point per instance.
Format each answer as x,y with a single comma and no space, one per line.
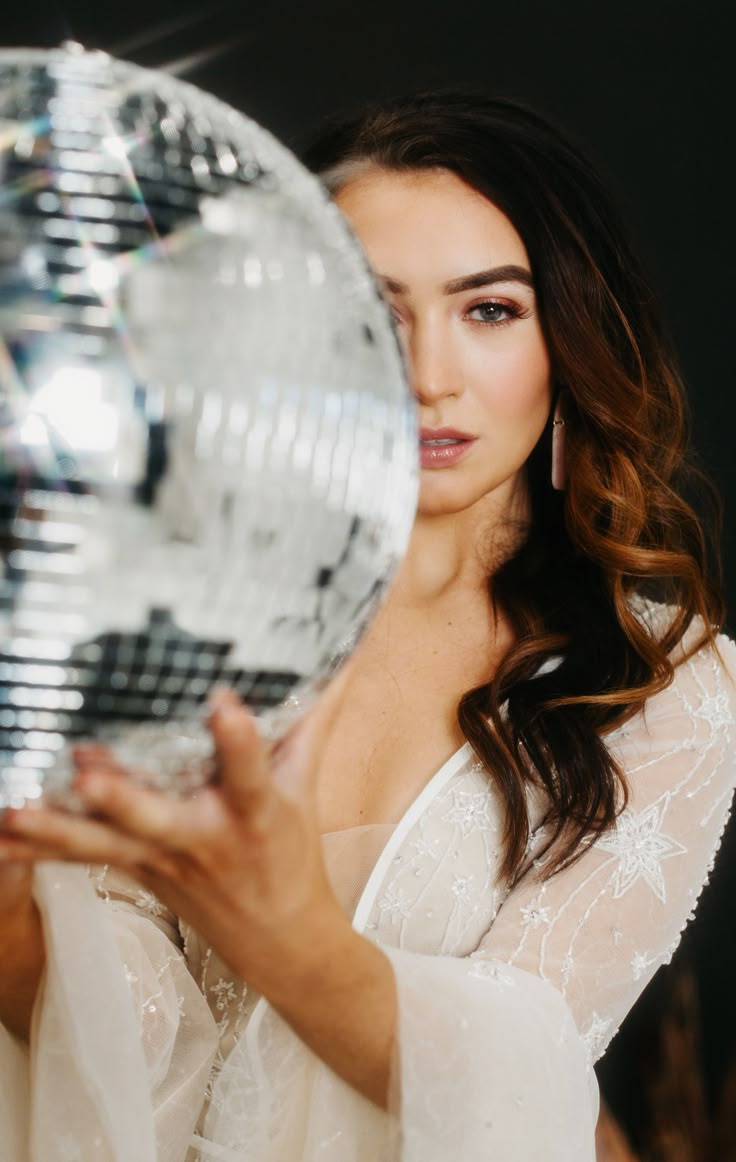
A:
626,524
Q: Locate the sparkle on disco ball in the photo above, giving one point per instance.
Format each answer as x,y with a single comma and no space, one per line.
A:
208,451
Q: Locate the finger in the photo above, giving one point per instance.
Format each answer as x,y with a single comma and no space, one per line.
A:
14,850
141,813
76,838
87,752
98,757
94,756
243,766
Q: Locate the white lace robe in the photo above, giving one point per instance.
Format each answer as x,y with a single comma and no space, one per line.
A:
144,1049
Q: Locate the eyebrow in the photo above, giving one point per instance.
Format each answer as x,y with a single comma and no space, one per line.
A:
468,282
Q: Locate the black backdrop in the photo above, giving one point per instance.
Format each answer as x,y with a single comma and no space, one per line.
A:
644,86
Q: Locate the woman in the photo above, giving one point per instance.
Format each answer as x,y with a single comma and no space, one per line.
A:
514,791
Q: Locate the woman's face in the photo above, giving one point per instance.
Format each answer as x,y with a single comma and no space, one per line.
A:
458,278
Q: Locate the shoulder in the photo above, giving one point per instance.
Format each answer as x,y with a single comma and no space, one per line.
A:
657,618
696,712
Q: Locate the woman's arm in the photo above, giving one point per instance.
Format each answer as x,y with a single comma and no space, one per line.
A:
21,940
337,991
123,1039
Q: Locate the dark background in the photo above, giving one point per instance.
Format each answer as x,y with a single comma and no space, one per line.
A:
645,88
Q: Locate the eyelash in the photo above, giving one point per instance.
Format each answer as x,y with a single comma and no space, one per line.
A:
512,311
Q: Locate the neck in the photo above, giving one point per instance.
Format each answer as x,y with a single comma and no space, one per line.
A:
454,554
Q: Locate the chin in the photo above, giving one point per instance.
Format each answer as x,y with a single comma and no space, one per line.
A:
446,497
445,502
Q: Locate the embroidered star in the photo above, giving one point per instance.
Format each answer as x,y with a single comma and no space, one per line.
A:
461,886
471,811
395,904
426,848
639,965
533,915
595,1036
224,992
715,709
641,846
147,902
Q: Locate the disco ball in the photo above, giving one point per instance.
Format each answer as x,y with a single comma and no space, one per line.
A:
208,449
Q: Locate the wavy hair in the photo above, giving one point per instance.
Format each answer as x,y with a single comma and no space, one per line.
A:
635,515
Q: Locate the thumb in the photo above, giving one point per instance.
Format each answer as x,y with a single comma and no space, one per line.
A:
242,760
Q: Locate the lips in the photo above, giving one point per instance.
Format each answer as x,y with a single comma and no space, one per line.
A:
443,447
427,434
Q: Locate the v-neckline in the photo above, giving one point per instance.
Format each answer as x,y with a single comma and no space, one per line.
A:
366,899
413,812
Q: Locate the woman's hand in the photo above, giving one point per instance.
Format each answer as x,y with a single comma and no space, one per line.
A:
241,860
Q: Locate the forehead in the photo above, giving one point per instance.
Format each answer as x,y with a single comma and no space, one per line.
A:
430,219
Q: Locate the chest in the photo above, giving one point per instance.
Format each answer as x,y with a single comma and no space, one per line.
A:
398,723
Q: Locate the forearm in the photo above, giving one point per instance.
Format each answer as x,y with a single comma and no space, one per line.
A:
21,968
337,991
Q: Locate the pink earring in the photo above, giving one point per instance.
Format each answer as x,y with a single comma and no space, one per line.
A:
558,444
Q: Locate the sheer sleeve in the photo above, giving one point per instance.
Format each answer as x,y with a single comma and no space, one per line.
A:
494,1052
122,1039
598,931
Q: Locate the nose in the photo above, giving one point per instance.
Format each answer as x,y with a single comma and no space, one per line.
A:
433,372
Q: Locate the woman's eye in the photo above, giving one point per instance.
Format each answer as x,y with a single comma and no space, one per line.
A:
493,313
490,313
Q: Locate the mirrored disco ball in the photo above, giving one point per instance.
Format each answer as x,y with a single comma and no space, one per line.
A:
208,450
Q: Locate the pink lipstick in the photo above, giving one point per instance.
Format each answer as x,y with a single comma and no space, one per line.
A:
442,447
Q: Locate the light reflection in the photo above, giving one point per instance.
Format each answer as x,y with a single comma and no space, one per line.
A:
72,402
102,275
31,759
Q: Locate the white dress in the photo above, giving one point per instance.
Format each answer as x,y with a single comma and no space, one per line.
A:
144,1049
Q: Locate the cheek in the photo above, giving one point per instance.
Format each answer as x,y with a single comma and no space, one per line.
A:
514,382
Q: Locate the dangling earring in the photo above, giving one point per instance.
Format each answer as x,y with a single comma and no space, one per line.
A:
558,442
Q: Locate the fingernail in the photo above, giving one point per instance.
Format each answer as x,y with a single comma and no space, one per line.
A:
223,700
